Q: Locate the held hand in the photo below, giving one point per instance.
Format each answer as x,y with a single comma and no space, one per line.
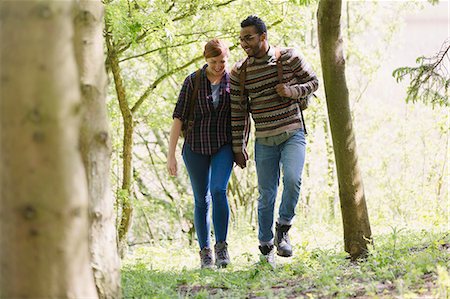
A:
283,90
240,160
172,166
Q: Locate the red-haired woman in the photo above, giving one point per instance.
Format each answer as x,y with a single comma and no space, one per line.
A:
207,151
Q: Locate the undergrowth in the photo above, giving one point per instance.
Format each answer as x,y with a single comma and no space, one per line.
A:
402,264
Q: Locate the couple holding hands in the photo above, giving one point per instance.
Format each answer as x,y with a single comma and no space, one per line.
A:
271,84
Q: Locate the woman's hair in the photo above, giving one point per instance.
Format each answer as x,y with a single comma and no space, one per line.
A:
215,47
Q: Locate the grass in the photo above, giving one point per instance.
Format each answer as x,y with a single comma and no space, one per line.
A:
403,264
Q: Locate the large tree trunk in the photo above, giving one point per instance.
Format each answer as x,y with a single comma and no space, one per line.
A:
357,233
44,199
95,147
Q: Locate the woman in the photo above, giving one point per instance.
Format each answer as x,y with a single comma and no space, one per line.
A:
207,151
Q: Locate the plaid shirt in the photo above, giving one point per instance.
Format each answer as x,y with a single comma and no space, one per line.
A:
212,126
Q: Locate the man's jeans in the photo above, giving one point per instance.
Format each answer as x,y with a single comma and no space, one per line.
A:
209,175
290,155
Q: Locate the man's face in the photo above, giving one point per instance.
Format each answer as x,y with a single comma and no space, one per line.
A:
251,41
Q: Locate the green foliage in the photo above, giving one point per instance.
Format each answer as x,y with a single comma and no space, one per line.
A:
430,80
402,158
404,264
159,43
302,2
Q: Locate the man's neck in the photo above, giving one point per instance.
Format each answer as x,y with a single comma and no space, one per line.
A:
264,49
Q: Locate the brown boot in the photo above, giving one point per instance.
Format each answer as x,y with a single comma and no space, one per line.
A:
222,257
206,258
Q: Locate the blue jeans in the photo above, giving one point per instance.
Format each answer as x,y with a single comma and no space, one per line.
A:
290,155
209,175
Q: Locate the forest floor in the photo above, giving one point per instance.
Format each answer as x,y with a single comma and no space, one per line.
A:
401,265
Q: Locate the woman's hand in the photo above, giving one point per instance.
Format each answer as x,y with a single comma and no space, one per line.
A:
172,167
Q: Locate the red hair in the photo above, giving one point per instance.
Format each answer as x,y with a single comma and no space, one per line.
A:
214,48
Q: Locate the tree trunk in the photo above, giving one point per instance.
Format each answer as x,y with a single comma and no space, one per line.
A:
357,233
330,170
128,128
95,145
44,199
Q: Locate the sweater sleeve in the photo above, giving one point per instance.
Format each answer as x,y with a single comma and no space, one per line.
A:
305,76
240,120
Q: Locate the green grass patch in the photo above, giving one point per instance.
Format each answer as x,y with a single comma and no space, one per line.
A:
402,264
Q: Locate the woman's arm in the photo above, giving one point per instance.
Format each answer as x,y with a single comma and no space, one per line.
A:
173,140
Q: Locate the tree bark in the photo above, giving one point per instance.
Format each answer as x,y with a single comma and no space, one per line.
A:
44,199
357,233
330,170
95,146
128,129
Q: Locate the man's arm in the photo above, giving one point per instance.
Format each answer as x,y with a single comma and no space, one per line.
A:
307,78
240,120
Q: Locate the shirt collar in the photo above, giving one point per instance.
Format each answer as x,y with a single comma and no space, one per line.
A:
268,57
225,78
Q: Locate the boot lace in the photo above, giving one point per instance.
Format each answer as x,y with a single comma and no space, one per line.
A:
222,253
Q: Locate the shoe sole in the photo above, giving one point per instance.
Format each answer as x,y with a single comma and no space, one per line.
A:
284,253
222,266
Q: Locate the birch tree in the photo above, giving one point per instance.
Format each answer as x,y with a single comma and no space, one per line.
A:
44,199
95,145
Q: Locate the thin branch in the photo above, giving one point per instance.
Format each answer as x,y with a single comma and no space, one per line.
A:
443,55
204,7
158,49
149,89
160,79
123,48
170,7
147,31
160,180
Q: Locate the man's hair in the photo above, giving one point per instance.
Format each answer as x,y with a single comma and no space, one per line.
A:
255,21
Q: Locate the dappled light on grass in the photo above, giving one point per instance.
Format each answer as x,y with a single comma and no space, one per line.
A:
403,263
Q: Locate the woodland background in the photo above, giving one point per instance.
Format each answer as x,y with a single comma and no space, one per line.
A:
88,208
402,146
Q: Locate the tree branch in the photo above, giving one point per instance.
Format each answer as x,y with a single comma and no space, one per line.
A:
175,70
158,49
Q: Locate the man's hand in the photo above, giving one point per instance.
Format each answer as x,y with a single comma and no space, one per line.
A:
283,90
240,160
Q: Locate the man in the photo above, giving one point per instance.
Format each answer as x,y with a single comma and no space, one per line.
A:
280,134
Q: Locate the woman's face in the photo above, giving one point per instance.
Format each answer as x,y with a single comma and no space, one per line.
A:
217,65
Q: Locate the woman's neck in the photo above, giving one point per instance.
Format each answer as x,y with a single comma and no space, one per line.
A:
214,79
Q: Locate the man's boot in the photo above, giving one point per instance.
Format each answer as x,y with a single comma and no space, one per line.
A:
267,254
282,241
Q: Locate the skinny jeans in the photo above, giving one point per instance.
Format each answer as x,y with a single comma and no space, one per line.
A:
209,175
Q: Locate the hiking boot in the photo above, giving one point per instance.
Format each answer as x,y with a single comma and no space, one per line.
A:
222,257
282,241
268,254
206,258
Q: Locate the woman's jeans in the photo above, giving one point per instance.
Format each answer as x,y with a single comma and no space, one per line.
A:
290,155
209,176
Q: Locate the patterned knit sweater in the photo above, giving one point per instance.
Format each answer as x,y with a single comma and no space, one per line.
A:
272,114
